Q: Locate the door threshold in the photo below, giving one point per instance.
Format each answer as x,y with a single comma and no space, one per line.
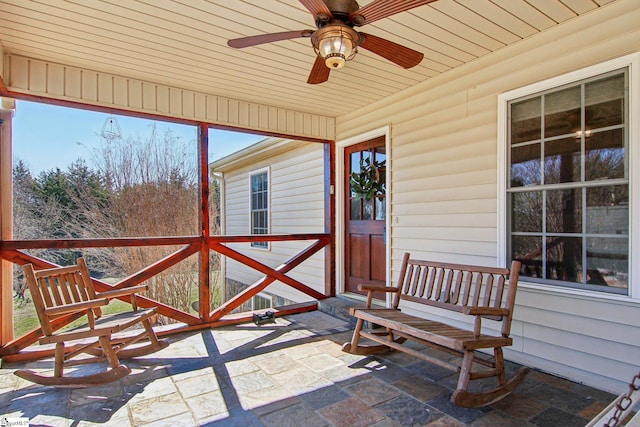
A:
362,299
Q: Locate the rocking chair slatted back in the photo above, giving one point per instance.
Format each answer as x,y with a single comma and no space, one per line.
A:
68,291
58,287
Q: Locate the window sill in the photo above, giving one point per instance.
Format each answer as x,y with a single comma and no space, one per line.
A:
578,293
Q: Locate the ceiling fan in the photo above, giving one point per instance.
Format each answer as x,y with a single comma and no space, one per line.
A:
335,40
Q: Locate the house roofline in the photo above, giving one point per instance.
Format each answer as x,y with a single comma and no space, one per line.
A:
247,154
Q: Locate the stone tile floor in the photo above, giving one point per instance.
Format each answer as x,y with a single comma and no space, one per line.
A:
291,373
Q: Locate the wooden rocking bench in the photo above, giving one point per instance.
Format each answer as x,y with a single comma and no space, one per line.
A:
476,293
68,291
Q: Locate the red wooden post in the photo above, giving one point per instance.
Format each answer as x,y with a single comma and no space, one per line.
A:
205,228
6,221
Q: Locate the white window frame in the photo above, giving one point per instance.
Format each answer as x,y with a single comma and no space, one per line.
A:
260,171
632,62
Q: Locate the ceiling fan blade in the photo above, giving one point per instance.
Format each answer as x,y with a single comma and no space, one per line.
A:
319,72
394,52
380,9
316,7
267,38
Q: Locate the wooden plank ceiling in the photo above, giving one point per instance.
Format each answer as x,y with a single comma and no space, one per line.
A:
182,43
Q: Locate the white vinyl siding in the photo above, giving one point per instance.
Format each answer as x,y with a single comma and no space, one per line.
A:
297,206
445,188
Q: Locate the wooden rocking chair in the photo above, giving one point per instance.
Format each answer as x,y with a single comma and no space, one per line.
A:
68,291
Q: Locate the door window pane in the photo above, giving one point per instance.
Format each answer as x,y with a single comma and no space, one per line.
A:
381,209
367,184
367,209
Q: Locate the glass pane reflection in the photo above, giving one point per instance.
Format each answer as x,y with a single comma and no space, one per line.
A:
564,211
562,112
525,120
562,161
604,102
355,209
608,210
381,209
526,211
525,165
605,155
607,262
367,209
564,259
528,250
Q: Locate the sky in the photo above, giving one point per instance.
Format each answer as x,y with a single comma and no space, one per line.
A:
46,137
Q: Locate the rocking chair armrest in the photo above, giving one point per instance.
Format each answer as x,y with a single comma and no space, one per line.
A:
373,288
122,292
76,307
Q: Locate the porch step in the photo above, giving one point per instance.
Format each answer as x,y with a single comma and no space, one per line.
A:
339,307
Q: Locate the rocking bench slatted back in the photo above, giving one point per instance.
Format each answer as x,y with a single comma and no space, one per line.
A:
458,288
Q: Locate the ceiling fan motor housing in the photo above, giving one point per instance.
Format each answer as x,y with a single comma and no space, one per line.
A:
340,9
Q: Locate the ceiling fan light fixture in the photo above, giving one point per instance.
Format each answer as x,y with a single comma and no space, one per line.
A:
336,44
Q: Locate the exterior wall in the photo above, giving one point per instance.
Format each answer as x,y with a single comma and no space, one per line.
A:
296,196
444,190
35,77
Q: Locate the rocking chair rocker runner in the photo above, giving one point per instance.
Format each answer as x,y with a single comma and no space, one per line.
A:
64,291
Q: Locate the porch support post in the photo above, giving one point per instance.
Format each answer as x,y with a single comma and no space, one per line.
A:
330,218
205,228
7,108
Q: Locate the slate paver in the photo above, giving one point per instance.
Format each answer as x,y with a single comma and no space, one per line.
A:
288,374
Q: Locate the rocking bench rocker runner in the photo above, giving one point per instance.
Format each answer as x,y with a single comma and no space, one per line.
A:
64,291
475,292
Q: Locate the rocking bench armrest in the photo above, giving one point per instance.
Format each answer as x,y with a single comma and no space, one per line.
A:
373,288
76,307
485,311
122,292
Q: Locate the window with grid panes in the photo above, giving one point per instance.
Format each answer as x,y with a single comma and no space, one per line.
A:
260,205
568,184
261,302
